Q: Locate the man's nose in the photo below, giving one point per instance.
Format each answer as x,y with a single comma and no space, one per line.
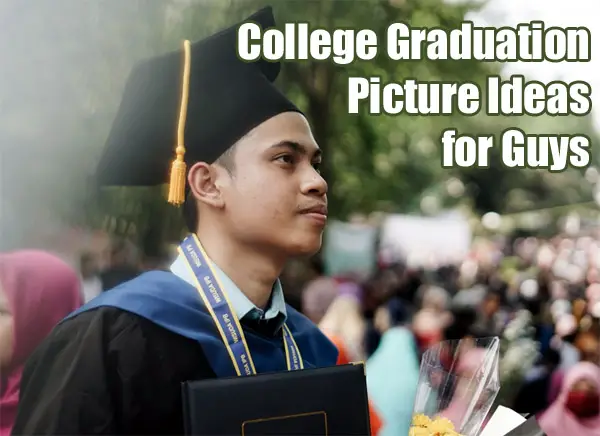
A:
314,183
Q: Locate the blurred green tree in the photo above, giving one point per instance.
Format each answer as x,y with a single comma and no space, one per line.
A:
389,162
72,59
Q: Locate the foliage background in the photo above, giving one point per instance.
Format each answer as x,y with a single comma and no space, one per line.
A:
67,62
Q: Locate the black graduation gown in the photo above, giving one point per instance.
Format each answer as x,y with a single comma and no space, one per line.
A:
124,377
116,365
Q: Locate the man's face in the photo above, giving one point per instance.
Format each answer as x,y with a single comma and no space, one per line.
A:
276,197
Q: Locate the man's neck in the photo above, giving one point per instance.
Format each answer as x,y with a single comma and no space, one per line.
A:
253,272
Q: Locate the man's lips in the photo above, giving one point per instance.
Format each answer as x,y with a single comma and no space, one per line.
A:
317,214
320,209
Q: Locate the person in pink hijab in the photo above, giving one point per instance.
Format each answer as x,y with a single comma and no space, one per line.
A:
576,411
37,290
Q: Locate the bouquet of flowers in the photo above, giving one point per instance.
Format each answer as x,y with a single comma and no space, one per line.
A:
458,383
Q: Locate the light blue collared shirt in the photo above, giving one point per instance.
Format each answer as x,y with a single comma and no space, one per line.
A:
241,304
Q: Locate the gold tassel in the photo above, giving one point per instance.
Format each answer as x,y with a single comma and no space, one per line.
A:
178,167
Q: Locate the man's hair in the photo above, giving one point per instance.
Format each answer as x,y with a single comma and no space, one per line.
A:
190,208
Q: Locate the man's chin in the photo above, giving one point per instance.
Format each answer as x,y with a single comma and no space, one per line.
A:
307,246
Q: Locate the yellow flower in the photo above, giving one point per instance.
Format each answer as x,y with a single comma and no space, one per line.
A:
419,431
420,420
424,426
441,425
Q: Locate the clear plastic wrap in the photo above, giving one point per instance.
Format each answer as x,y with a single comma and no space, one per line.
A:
458,383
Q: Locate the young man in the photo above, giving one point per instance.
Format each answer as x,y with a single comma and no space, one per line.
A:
255,199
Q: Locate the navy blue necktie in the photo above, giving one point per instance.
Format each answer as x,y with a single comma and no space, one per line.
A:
254,320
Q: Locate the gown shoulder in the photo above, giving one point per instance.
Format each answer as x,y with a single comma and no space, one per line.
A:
108,371
116,365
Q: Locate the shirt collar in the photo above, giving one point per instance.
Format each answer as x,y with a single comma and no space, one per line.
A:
240,303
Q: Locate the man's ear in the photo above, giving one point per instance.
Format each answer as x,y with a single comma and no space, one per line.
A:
202,179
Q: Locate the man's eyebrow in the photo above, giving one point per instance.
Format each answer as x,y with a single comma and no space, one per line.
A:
298,148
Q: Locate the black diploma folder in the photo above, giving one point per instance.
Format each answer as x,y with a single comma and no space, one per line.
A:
312,402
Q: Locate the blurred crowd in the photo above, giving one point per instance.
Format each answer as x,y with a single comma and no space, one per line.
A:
540,297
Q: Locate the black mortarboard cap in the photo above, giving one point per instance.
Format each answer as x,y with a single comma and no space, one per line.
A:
224,97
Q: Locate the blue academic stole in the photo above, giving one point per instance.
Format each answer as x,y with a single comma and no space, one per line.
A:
227,323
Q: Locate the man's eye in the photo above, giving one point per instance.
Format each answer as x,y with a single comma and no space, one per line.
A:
286,159
317,166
